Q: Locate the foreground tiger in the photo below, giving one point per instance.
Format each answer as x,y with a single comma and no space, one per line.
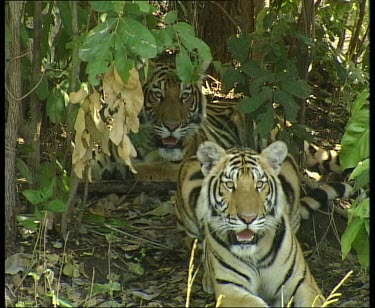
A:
245,207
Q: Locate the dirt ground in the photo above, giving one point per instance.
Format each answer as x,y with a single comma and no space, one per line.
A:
128,253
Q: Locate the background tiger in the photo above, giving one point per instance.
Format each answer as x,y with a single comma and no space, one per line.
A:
247,217
177,117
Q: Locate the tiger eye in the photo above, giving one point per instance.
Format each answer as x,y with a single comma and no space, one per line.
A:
259,185
229,185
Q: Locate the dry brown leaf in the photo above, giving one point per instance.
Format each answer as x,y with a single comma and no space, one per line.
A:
77,97
99,123
104,142
79,167
110,84
132,123
86,138
117,132
91,127
85,106
95,100
127,151
79,125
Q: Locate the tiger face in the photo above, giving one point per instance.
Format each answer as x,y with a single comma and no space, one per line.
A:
175,111
241,187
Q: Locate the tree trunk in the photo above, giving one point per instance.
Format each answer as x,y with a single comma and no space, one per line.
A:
354,41
304,58
74,181
35,105
13,77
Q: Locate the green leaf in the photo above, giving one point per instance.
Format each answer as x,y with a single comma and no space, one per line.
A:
362,247
350,235
45,174
252,69
145,7
249,104
49,190
101,6
137,38
98,42
42,90
24,170
298,88
183,28
35,197
56,105
239,47
66,16
264,120
94,218
28,222
95,69
163,38
184,67
56,206
123,66
268,20
191,42
361,210
170,17
287,101
230,77
360,168
361,99
362,180
355,144
63,45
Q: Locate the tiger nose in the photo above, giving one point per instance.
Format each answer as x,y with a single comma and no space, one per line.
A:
247,218
171,126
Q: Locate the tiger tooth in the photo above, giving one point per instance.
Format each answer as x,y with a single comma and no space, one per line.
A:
245,236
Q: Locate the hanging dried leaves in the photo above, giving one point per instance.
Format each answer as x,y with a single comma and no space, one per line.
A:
123,104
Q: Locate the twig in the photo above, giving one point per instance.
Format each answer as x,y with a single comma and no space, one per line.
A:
190,273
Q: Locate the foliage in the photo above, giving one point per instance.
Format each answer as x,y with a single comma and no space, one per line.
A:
50,196
355,153
265,73
128,34
115,50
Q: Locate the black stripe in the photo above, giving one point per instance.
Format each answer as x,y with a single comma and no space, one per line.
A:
193,196
198,175
299,283
288,190
226,282
230,268
291,268
275,247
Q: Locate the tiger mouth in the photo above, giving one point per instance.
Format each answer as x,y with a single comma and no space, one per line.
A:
244,237
171,143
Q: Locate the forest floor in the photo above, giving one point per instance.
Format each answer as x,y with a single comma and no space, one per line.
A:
128,253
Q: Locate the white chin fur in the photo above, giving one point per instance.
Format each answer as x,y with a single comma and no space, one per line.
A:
171,154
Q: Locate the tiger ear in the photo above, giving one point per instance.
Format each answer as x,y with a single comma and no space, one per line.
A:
209,154
275,155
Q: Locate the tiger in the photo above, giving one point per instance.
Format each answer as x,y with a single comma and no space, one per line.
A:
245,209
178,117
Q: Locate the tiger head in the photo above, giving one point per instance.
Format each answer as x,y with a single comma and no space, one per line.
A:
175,111
241,195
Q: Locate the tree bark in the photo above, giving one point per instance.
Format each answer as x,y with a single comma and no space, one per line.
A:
35,105
355,37
304,59
74,181
13,77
